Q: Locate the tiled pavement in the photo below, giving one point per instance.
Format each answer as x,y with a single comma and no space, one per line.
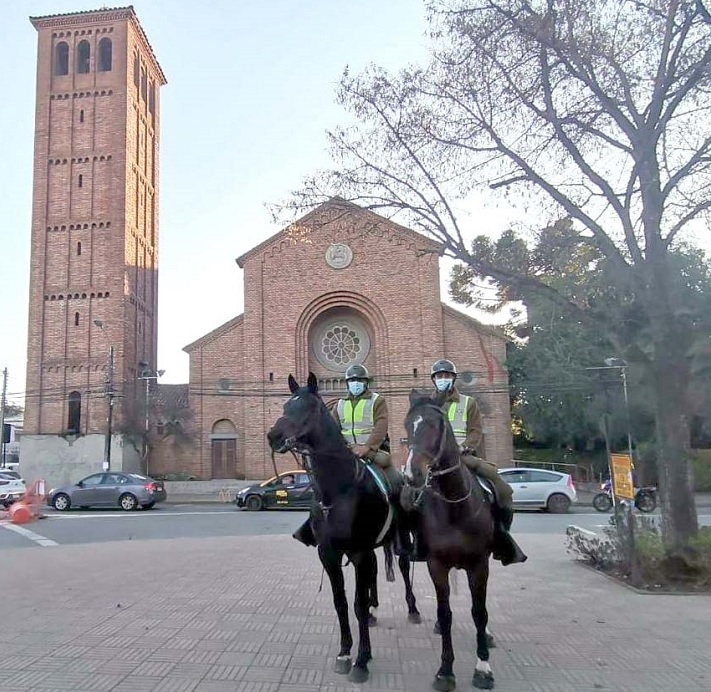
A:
246,614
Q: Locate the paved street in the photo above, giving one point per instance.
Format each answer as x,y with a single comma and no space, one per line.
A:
244,613
203,521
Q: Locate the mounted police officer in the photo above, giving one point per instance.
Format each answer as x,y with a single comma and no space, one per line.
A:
362,417
465,418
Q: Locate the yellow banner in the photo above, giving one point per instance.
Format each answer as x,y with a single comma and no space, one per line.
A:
622,476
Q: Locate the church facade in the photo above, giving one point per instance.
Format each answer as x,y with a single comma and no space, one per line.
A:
340,286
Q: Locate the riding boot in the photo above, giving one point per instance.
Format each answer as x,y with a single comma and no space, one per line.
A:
305,533
505,547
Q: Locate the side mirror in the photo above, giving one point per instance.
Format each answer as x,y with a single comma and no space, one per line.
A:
80,484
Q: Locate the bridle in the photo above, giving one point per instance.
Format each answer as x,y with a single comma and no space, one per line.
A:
433,470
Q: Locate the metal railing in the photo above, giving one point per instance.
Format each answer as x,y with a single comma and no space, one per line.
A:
577,471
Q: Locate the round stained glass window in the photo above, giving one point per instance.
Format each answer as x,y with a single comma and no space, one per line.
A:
338,343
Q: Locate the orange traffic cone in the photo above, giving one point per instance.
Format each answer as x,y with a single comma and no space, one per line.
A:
20,513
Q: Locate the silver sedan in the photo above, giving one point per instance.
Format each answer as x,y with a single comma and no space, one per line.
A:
128,491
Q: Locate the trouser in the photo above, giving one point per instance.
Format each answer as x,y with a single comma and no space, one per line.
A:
487,469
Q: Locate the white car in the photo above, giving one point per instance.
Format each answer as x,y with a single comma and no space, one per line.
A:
540,489
11,489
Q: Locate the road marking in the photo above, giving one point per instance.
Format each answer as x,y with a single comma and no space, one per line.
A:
138,515
31,535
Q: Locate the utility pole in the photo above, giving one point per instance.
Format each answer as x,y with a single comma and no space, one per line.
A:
2,413
110,414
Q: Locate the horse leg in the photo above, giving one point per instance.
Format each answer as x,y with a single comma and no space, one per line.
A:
478,579
413,615
444,680
388,552
365,570
331,561
373,602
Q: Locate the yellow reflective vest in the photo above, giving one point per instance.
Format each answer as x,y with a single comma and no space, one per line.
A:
357,421
457,416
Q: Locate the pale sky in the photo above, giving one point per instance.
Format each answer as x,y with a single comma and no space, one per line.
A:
250,94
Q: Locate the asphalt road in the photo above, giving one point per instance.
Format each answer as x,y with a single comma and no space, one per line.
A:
197,521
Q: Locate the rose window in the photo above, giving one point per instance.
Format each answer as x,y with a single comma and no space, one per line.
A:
341,344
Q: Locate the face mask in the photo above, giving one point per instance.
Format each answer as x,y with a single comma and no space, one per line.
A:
443,384
356,388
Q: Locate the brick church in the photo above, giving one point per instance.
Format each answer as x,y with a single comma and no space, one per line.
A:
340,286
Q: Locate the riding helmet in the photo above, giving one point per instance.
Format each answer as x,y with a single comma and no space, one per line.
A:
357,372
443,365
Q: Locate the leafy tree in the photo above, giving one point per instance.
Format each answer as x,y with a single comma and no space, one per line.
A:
601,110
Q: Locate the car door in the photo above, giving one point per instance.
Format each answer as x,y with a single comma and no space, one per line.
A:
87,491
111,488
517,479
301,493
540,485
272,492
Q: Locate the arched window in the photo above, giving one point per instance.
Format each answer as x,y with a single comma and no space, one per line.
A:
136,71
76,319
83,57
61,59
81,180
74,413
105,55
144,86
78,248
81,116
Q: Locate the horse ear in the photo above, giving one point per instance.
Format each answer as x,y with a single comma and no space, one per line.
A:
312,383
293,384
414,396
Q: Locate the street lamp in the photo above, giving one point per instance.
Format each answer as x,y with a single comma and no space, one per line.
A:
110,395
146,374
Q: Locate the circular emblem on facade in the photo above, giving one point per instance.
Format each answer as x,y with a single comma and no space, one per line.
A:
339,256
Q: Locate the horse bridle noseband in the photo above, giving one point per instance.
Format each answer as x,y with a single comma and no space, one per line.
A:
433,472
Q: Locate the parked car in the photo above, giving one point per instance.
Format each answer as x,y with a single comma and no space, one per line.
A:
289,490
7,473
10,466
128,491
11,489
541,489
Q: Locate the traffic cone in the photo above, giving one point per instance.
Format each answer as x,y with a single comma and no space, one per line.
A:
20,513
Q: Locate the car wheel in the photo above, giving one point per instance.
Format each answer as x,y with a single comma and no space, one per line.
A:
128,502
150,505
253,503
61,502
558,503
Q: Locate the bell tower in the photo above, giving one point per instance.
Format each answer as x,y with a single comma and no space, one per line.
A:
94,248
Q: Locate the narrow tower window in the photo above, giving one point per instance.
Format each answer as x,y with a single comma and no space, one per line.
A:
81,116
105,55
144,86
76,319
81,180
136,71
61,59
74,413
78,248
83,57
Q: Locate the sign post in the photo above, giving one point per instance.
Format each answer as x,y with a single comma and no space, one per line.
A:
622,485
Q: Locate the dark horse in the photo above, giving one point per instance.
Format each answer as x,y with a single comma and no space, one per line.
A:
456,524
352,515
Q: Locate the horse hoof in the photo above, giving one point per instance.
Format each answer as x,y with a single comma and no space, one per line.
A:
437,630
358,674
342,665
444,683
372,620
483,681
414,618
490,641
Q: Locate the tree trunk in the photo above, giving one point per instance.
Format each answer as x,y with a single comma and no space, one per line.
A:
679,519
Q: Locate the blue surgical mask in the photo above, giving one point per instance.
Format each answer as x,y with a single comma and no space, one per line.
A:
443,384
356,388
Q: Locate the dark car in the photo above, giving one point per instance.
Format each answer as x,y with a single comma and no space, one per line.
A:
289,490
126,491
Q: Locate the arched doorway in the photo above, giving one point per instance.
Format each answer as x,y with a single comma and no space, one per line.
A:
223,450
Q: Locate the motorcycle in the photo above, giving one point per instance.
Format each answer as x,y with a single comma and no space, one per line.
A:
645,499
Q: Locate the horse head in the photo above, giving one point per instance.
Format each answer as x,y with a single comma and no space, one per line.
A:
430,439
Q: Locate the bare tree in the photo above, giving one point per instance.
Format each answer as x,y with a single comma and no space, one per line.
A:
600,110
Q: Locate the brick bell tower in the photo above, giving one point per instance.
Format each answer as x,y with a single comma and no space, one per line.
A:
94,249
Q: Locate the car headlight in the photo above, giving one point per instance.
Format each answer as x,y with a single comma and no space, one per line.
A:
242,492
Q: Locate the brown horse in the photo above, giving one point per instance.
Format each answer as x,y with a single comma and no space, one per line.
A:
456,525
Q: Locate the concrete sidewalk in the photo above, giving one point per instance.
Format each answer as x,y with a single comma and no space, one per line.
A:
246,615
